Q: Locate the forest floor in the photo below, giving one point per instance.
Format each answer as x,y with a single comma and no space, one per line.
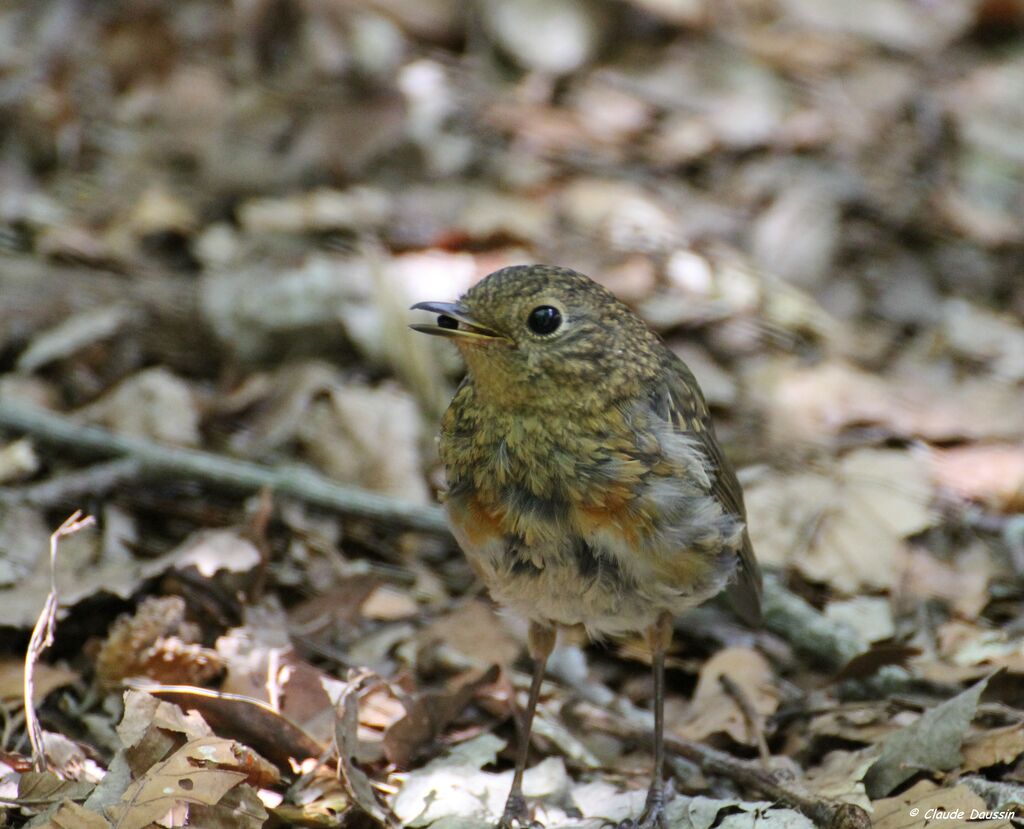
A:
213,219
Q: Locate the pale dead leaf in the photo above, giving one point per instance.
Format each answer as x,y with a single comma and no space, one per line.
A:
477,632
210,551
41,788
369,436
73,335
714,710
870,616
153,404
318,210
18,459
986,337
840,776
963,582
992,475
847,529
814,404
452,786
389,603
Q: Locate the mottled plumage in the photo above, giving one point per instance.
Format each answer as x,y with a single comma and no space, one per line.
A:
586,485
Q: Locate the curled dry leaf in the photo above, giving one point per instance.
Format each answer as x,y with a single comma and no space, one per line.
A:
156,642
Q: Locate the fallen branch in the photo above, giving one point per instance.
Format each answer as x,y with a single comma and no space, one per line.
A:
159,460
823,812
820,639
76,485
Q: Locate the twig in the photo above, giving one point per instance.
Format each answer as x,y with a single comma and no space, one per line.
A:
755,722
817,637
73,486
826,813
159,460
42,638
820,639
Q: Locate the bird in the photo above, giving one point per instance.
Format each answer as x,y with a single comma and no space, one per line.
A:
585,483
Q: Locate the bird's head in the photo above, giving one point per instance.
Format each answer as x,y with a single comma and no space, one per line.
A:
535,335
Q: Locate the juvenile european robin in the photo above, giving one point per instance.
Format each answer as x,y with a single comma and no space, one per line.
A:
585,482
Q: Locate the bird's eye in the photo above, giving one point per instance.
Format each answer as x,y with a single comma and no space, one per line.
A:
544,319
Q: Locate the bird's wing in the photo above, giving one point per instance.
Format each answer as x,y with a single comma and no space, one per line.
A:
688,413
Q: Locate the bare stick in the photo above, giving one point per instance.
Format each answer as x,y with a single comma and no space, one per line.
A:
826,813
90,482
42,638
159,460
755,722
816,637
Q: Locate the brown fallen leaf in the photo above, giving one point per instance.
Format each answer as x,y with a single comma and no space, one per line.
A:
429,713
476,631
963,583
993,747
251,721
70,815
156,642
201,771
926,805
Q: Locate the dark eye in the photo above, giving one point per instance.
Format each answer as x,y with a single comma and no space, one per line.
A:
544,319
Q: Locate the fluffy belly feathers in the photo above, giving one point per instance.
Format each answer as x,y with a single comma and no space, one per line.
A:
576,570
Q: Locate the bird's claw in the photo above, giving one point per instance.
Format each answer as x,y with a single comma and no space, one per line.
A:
653,816
517,815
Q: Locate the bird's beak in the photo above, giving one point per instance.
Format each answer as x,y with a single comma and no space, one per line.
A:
453,321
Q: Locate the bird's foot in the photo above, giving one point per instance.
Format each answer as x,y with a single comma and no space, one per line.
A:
653,816
517,815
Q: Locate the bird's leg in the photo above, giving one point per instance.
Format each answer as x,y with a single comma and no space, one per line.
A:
516,815
659,636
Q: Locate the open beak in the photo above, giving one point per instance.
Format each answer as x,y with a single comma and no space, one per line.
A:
453,321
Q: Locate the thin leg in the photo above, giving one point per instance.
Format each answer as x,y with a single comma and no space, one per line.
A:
542,642
659,636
